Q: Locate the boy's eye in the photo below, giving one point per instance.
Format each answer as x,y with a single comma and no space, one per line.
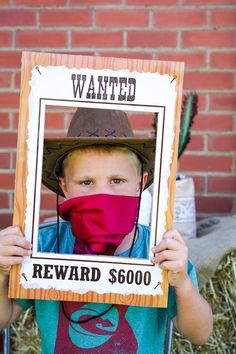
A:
86,183
117,181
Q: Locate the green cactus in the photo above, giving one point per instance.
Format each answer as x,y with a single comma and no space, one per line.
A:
188,112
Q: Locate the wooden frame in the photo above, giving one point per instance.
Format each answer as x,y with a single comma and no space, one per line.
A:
158,88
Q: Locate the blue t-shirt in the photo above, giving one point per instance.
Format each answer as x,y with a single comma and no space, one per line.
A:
124,329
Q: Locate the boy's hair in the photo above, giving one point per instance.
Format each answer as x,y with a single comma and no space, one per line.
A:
103,148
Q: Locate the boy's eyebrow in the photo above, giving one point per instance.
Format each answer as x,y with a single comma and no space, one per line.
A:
117,176
83,177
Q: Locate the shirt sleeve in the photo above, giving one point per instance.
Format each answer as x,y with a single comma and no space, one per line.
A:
24,303
48,241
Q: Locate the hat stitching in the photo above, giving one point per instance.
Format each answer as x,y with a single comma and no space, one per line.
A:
94,133
110,133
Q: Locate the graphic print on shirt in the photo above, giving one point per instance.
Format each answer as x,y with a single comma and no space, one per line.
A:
109,333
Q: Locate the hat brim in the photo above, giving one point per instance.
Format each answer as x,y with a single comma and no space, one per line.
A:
55,150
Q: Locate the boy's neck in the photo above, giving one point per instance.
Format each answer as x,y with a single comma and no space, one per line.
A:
126,243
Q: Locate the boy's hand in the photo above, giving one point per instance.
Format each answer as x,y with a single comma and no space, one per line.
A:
13,247
172,254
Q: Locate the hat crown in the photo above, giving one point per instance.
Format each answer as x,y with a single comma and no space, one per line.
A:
93,122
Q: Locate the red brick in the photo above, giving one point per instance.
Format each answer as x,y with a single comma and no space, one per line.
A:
7,181
142,135
17,79
17,18
201,101
41,39
191,59
4,2
95,2
223,17
60,109
46,215
96,39
209,2
119,18
4,120
213,122
152,2
151,39
199,183
48,201
223,60
10,59
54,121
212,204
52,134
177,18
4,160
5,79
129,55
39,2
208,80
205,163
5,38
15,120
4,201
141,121
196,143
223,142
5,220
14,160
221,184
223,101
78,51
206,38
8,140
9,99
66,17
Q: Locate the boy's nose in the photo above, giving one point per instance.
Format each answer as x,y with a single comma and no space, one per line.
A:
102,189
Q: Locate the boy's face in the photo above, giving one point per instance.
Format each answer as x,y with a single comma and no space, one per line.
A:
95,172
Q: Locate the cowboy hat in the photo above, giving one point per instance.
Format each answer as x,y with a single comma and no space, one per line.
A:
92,126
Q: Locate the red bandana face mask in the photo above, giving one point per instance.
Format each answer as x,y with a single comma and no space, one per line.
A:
100,221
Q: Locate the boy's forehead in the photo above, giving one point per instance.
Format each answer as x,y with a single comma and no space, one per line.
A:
110,156
103,149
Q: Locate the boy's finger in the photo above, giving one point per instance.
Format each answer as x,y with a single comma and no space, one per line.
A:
168,243
165,255
9,261
170,266
173,234
11,230
17,240
15,251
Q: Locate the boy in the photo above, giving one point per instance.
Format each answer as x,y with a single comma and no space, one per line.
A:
102,178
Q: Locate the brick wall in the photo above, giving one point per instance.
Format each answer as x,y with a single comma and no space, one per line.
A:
199,32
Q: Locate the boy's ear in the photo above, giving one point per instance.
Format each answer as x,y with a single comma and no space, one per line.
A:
145,177
62,185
